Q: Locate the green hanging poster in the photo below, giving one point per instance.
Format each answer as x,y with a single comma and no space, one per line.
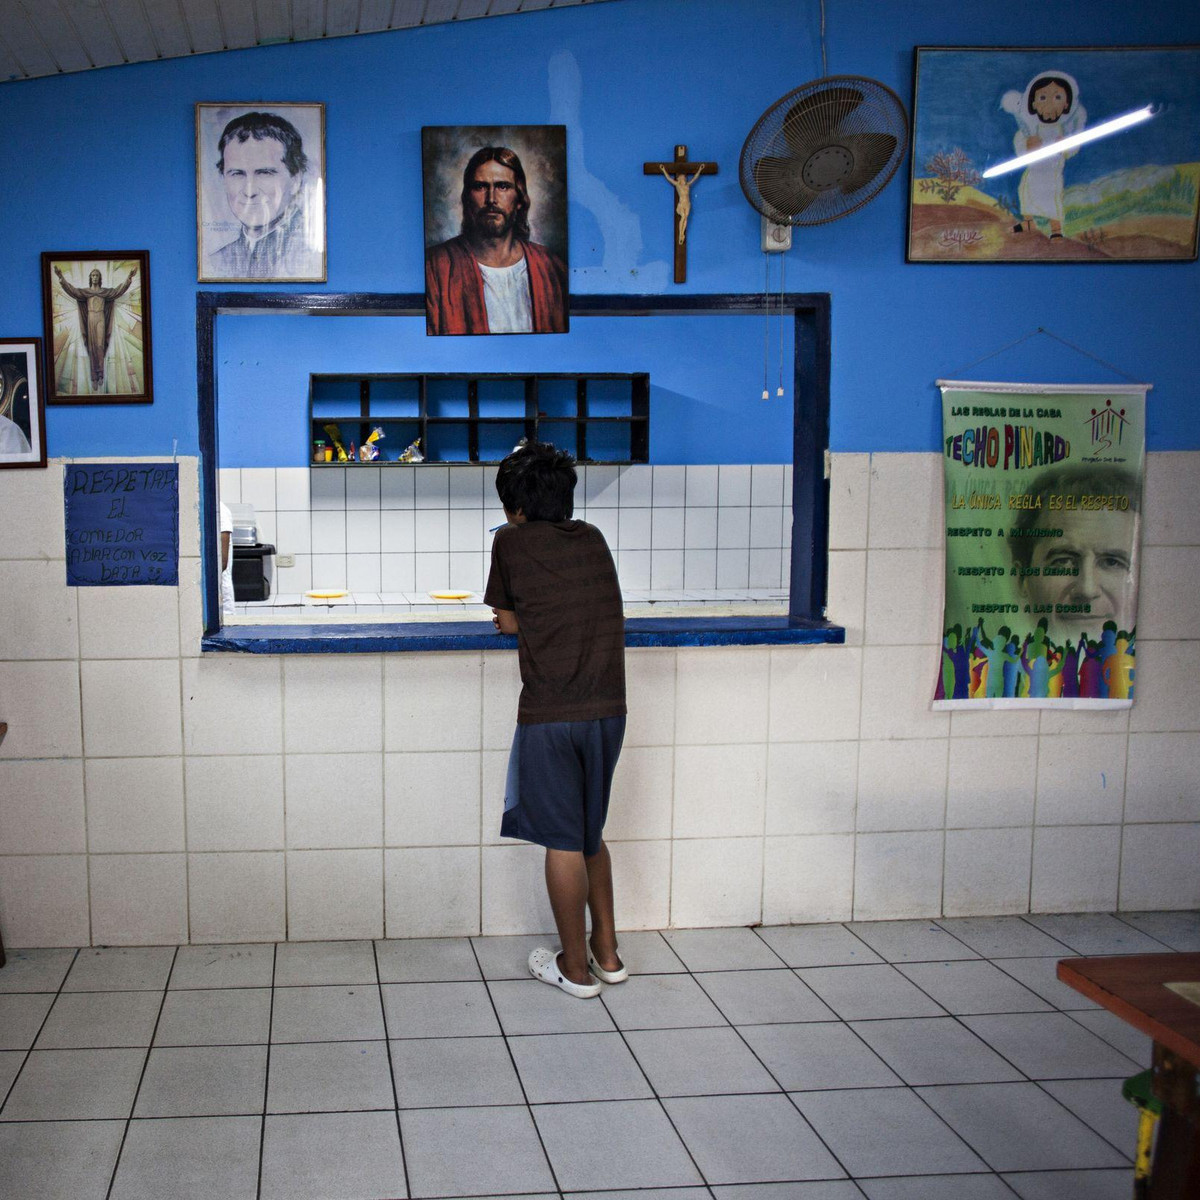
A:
1043,487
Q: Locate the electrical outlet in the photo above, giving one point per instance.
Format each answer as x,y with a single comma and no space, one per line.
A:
285,560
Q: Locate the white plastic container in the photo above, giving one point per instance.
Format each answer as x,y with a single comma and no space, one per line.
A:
245,525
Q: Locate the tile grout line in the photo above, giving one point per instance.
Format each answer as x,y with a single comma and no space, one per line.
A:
1124,807
83,759
513,1062
61,984
706,1183
387,1042
957,1018
771,1074
284,848
674,746
262,1127
141,1076
504,799
766,761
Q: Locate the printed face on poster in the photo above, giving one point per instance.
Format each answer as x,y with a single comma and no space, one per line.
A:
1043,514
260,193
495,229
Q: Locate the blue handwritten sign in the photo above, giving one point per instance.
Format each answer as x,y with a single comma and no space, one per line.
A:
122,524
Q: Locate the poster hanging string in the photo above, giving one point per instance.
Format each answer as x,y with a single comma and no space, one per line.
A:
1041,329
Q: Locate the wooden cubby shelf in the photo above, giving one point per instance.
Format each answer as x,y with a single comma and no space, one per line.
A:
479,418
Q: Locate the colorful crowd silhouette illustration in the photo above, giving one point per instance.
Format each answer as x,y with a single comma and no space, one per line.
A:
978,667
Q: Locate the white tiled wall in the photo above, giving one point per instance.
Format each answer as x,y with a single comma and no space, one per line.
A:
148,794
413,529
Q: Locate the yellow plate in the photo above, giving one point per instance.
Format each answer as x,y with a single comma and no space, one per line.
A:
450,595
331,595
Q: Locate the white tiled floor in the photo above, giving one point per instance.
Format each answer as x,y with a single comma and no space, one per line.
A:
889,1061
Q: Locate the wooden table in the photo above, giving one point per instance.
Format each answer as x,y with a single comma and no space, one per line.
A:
1134,988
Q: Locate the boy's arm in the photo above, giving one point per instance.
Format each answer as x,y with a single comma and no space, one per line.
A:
505,620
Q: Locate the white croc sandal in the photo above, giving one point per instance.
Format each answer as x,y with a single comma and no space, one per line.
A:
617,976
543,965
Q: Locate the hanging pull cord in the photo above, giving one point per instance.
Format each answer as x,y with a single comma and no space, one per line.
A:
766,323
1069,345
782,290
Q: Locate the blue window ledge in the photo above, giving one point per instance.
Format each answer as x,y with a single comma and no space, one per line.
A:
386,638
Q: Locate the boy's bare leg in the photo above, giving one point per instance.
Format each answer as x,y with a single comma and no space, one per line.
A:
567,883
600,902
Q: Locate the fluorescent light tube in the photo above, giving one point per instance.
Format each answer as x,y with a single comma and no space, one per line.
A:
1069,143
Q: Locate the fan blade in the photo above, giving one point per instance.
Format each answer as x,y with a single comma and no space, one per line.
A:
782,186
818,115
871,152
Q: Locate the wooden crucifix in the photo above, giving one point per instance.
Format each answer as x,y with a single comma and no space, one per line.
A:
680,174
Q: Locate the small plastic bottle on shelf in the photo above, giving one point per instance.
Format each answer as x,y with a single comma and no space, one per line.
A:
318,451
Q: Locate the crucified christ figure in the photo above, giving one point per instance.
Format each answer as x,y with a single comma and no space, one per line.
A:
683,207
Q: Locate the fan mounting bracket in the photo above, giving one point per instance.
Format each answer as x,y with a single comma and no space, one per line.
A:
775,238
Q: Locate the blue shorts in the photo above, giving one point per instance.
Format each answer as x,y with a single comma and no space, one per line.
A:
559,779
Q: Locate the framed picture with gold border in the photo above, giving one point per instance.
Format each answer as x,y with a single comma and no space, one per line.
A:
96,316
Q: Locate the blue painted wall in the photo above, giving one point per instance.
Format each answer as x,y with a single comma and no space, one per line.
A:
106,160
706,377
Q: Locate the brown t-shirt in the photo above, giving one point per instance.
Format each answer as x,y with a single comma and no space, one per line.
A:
559,578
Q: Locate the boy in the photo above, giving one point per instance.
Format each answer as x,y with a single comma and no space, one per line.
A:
553,584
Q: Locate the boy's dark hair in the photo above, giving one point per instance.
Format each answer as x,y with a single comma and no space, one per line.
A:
538,480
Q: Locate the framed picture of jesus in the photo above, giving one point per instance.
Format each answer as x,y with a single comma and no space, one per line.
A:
495,229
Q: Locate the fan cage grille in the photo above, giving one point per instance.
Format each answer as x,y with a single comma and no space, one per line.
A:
860,113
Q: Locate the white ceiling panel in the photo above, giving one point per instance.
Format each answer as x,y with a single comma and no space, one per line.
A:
57,35
437,11
129,23
91,24
26,47
274,20
204,29
341,17
237,19
374,15
9,69
170,30
48,37
308,19
407,12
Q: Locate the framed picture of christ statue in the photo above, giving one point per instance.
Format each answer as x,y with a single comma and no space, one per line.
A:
96,313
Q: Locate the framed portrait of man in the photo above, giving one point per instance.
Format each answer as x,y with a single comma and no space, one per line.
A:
260,193
495,229
22,403
96,314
